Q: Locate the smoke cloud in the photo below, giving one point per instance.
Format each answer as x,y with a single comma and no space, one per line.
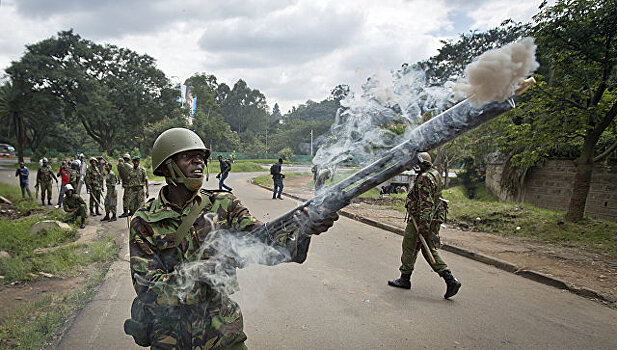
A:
496,74
379,116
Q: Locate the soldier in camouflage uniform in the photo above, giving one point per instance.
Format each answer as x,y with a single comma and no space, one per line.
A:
422,200
111,198
74,176
93,185
123,170
74,204
137,178
44,177
171,230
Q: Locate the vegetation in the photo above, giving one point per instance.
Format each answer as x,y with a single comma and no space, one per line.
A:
34,324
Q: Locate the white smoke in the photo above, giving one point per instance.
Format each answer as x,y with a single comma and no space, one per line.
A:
496,74
364,127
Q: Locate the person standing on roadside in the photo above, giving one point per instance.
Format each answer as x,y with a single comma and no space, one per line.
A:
111,197
225,169
93,186
124,167
137,179
44,177
24,182
277,177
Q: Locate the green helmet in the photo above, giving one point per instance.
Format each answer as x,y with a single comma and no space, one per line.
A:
136,158
424,157
174,141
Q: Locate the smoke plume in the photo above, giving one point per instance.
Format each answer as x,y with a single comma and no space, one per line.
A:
496,74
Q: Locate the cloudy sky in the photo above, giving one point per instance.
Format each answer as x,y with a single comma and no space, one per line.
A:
291,50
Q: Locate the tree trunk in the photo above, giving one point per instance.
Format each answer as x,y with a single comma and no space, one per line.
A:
20,134
582,181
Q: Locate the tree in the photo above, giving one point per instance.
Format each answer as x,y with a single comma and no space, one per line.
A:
575,101
110,91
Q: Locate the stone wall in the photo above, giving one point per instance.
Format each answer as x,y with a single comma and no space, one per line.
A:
550,187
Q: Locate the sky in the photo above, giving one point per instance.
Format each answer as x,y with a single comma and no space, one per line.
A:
291,50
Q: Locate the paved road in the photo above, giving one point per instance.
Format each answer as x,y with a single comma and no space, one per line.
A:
338,299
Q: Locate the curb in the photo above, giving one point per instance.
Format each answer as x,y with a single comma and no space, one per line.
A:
500,264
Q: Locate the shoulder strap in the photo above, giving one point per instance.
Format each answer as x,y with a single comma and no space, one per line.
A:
190,218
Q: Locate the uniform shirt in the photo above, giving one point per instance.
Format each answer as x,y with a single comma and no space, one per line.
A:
111,179
45,174
423,197
93,178
73,177
137,177
23,175
122,172
73,202
155,256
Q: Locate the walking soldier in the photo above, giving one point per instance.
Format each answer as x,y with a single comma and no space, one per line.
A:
93,185
137,179
111,197
44,177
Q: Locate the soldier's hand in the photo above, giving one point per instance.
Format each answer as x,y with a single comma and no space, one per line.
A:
313,221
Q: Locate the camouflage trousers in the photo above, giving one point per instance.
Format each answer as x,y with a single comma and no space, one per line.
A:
81,212
45,188
95,199
411,247
137,198
111,200
197,327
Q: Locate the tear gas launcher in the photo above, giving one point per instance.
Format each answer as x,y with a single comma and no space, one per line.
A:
450,124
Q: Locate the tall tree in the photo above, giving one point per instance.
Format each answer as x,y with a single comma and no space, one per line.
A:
577,102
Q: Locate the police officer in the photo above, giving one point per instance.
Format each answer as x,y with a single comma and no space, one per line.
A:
111,197
44,176
173,229
137,179
422,201
124,167
74,204
93,185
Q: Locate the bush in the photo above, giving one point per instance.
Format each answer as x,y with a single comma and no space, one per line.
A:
286,153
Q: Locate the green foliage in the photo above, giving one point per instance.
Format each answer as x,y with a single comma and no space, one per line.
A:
246,167
537,224
286,153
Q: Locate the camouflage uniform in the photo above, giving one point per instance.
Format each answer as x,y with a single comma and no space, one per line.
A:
205,317
44,176
111,197
123,169
76,205
73,177
421,202
93,183
136,179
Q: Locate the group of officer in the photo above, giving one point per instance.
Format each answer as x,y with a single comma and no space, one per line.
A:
99,178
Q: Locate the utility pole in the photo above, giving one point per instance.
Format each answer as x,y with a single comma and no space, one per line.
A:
266,140
311,142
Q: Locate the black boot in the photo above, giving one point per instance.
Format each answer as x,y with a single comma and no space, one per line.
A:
48,202
113,218
106,217
43,202
402,282
452,284
83,223
97,211
123,215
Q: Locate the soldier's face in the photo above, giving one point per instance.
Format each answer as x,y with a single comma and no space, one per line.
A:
136,163
191,163
69,193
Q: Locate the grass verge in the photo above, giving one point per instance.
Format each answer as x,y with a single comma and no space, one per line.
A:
13,193
33,325
266,179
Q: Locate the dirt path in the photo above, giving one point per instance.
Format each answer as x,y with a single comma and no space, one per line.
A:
580,268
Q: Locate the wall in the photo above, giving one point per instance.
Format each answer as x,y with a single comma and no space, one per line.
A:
550,187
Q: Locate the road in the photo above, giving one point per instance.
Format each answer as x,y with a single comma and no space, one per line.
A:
338,299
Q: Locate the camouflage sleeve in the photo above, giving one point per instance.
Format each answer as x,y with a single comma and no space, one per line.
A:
232,214
426,191
65,206
152,281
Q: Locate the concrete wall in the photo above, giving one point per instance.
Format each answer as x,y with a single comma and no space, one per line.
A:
550,187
